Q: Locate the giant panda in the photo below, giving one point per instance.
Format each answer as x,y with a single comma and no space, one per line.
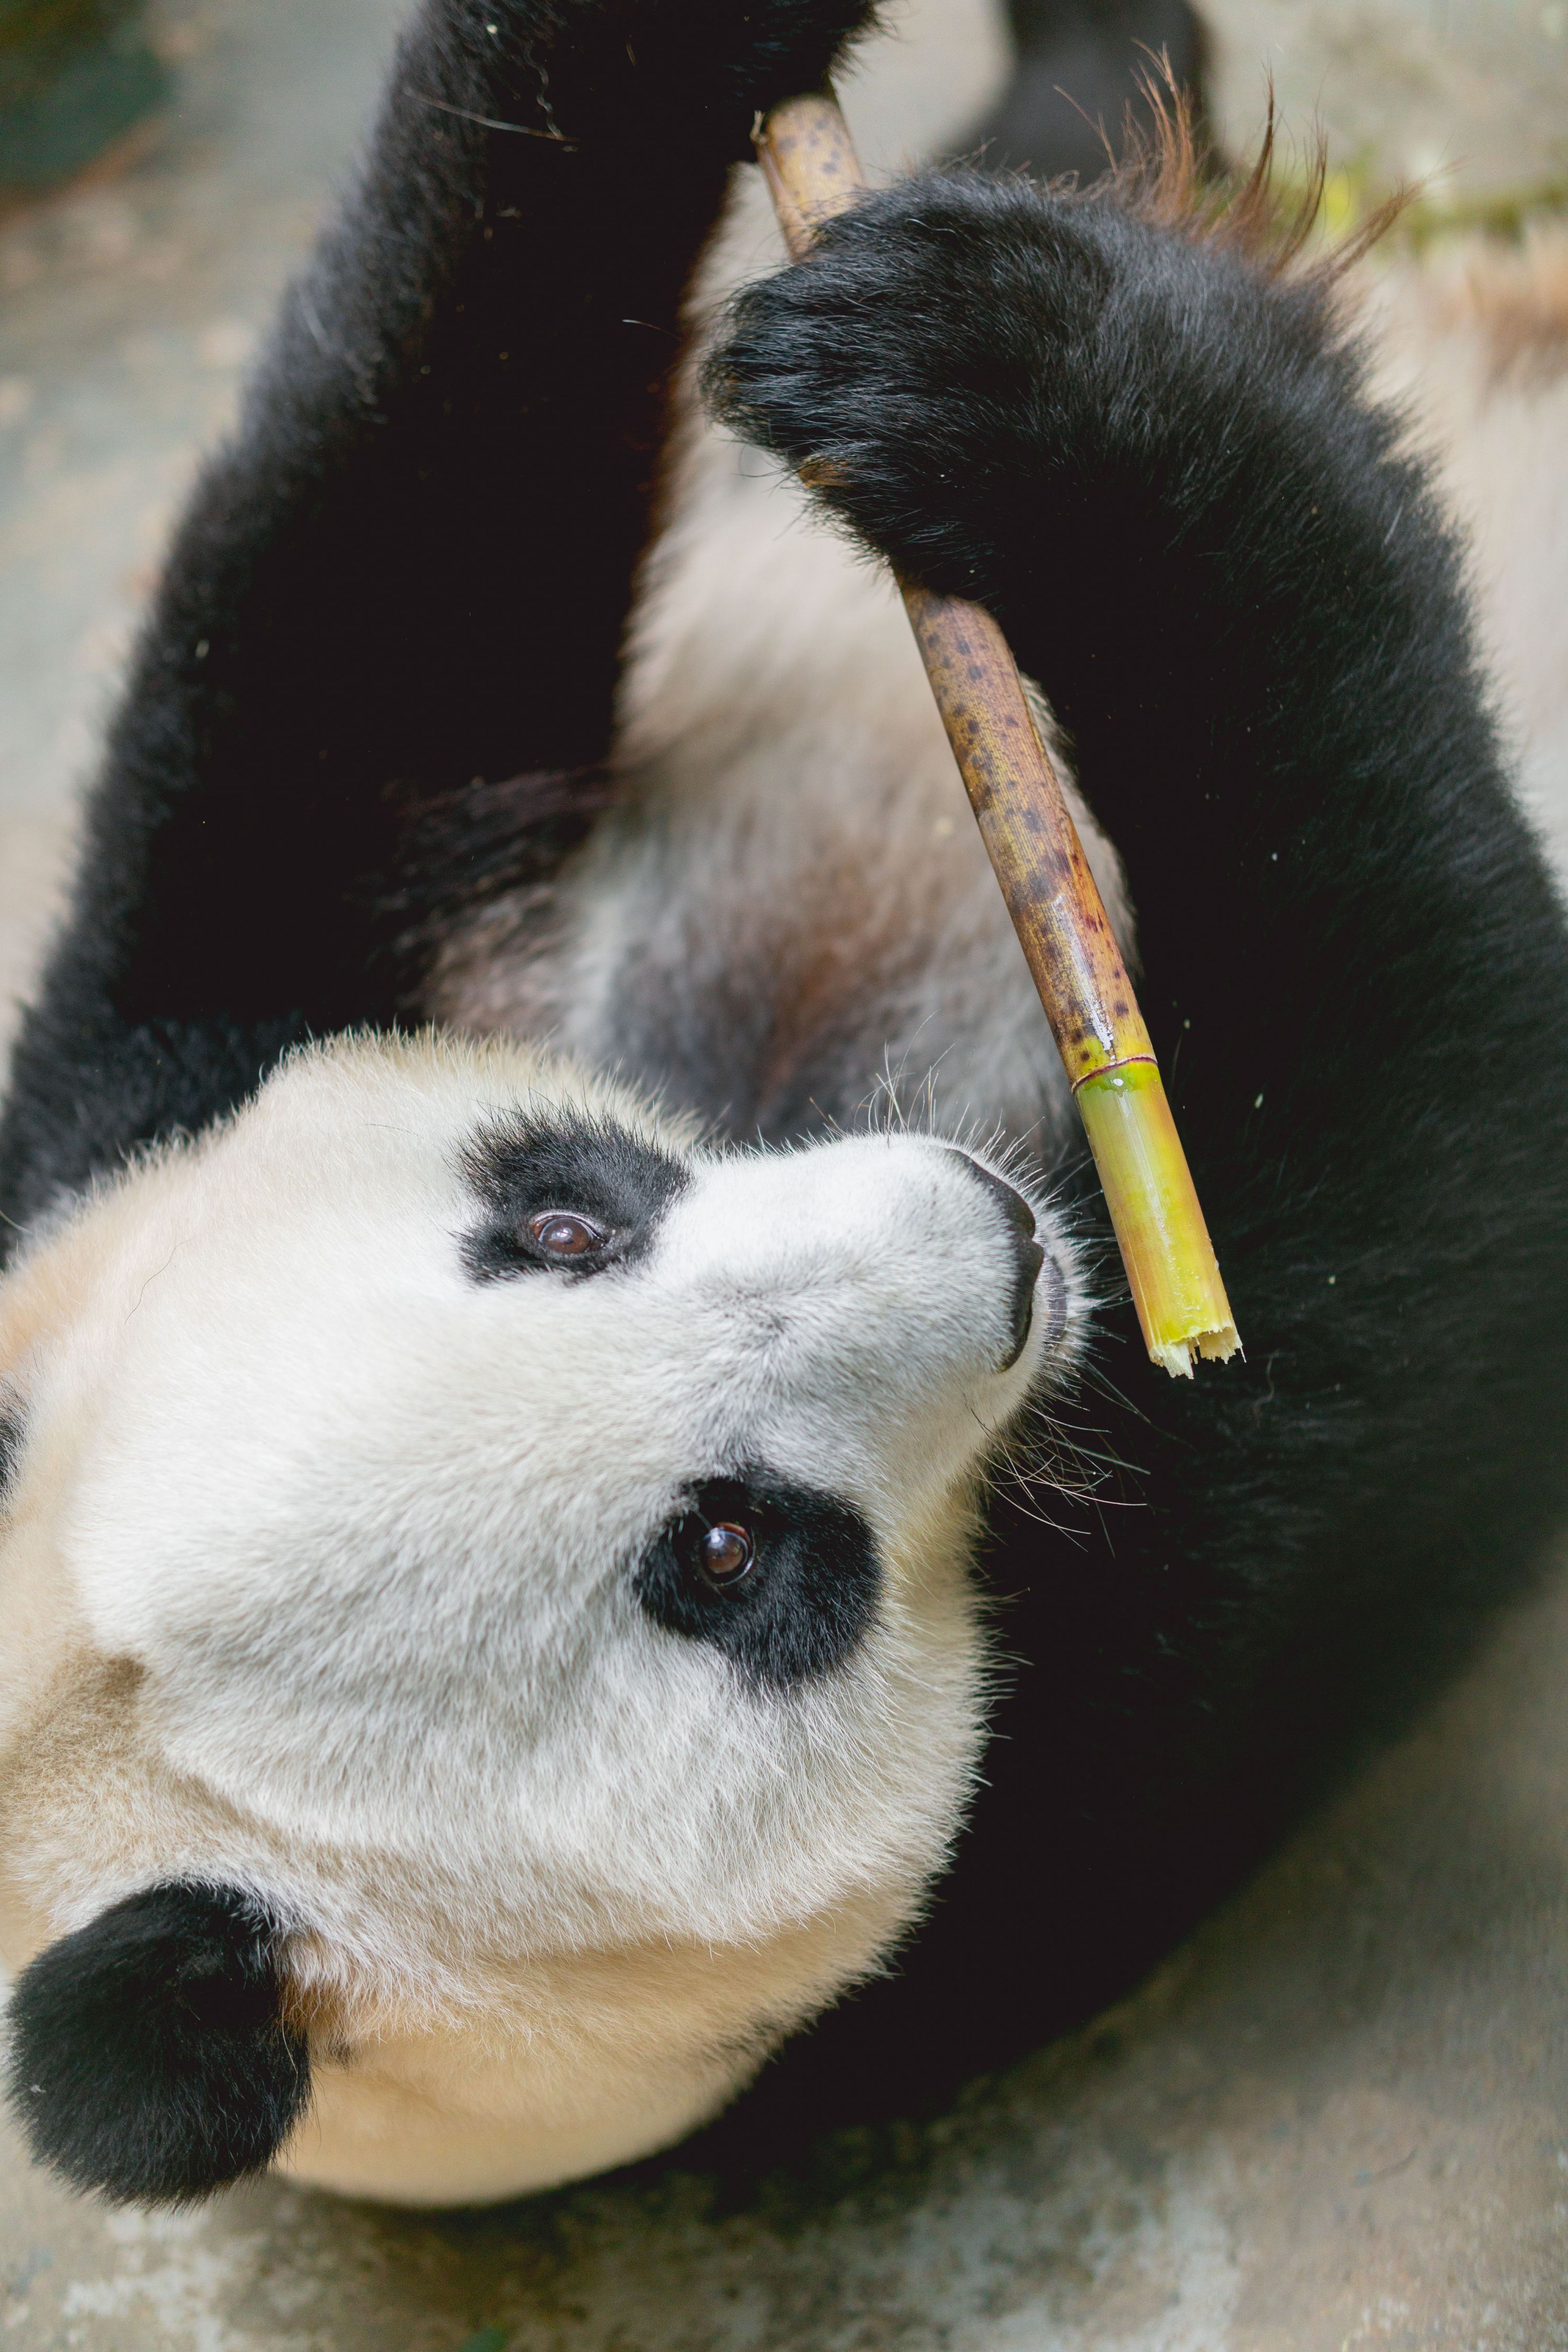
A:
587,1546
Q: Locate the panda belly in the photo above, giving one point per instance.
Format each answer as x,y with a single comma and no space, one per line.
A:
789,908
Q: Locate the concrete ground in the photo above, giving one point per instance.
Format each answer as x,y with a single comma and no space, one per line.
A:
1339,2116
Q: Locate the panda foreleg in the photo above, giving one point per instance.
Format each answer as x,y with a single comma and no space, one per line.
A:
411,568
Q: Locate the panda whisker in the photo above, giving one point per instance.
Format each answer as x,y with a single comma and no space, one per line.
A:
492,122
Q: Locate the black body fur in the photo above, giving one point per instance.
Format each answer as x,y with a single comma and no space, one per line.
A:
1158,467
148,2058
1160,473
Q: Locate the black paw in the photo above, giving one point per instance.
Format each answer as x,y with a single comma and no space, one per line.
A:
974,373
910,364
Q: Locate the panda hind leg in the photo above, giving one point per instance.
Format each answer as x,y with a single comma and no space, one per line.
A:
1082,87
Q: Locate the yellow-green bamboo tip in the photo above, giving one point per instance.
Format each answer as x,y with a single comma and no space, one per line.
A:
1170,1260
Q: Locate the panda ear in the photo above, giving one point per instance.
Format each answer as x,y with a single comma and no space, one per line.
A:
148,2058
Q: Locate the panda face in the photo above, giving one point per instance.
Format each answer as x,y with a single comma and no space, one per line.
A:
525,1534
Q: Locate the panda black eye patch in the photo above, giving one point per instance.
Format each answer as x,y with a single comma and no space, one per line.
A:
571,1192
783,1578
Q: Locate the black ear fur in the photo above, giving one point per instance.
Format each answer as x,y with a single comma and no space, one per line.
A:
148,2058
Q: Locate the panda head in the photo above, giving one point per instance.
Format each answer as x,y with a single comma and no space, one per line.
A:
490,1577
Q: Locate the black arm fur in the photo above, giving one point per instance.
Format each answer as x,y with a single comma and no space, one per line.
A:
412,567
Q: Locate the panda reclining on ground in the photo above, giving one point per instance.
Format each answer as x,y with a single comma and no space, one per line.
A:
507,1584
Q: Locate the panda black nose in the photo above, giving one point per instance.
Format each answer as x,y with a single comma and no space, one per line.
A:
1028,1257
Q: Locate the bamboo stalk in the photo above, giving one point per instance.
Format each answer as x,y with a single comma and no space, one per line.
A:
811,171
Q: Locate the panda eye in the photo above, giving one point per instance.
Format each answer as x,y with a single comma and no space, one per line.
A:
725,1554
781,1580
559,1233
721,1547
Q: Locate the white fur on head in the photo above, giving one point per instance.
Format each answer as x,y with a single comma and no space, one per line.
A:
365,1531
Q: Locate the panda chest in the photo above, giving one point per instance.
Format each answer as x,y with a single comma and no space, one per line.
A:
787,912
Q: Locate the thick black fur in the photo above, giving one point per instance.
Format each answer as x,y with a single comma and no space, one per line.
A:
148,2058
809,1598
1159,469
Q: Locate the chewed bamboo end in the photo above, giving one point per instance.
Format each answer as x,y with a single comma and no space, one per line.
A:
1170,1260
1178,1356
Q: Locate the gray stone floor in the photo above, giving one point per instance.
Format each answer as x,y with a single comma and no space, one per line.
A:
1339,2117
127,311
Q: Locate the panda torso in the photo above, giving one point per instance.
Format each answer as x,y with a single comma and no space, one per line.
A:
530,1594
788,910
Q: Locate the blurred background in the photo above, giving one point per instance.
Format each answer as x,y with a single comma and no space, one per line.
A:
1341,2116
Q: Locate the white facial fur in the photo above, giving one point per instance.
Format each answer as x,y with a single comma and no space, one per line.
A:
359,1534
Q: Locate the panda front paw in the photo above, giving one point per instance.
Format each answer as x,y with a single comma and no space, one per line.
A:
935,367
